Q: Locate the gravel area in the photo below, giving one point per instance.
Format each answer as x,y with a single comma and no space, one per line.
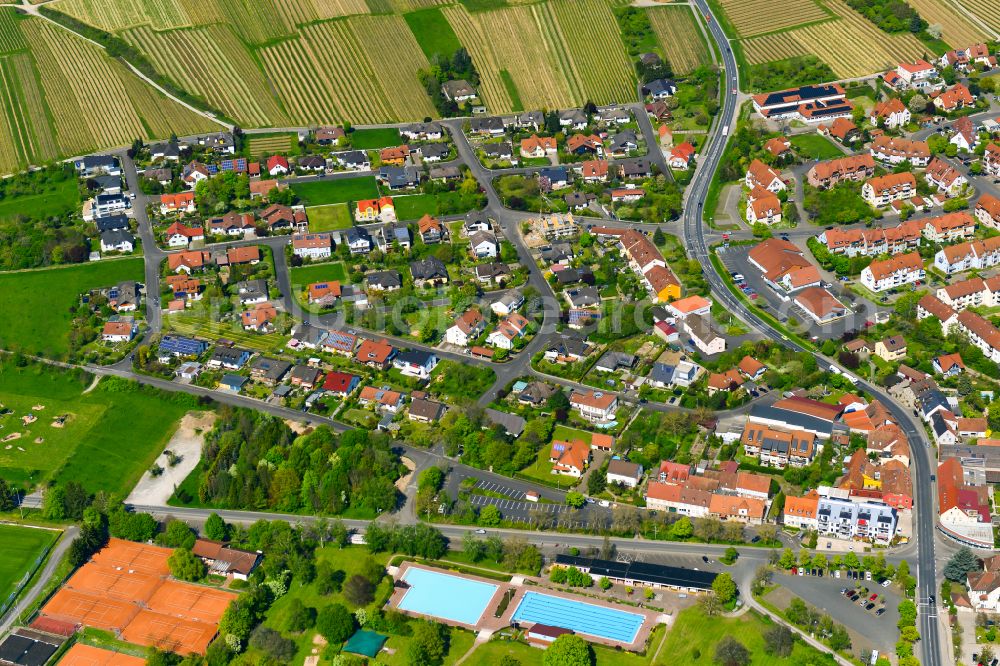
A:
186,442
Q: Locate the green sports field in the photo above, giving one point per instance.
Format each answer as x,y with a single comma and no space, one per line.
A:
107,438
341,190
21,547
37,303
329,217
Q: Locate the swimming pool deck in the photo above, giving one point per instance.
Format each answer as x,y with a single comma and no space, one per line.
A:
489,624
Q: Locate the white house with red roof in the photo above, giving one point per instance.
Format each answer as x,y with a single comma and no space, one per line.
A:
681,156
277,165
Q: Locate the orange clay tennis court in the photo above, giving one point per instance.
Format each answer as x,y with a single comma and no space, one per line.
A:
124,588
90,609
192,602
86,655
170,633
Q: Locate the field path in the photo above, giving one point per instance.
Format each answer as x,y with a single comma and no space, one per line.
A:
55,555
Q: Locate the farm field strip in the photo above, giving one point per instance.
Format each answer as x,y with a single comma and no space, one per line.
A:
16,115
256,21
471,34
27,76
680,37
11,38
556,43
332,48
270,145
212,63
777,46
756,17
607,74
72,134
108,15
987,11
300,87
956,28
162,116
395,67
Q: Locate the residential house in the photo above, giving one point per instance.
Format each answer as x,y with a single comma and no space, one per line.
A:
964,510
324,294
883,190
228,358
511,301
954,98
382,399
704,335
415,363
575,119
483,244
896,271
120,330
389,280
765,210
459,91
312,246
594,405
423,410
681,156
251,292
259,318
919,74
892,348
374,210
779,448
569,458
761,175
891,114
269,371
659,89
842,130
117,240
431,230
375,353
466,328
896,150
624,473
965,135
971,255
945,177
853,168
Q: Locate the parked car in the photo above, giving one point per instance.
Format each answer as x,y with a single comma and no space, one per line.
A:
886,583
880,611
869,606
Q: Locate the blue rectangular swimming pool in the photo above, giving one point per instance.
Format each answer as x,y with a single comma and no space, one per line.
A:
445,596
583,618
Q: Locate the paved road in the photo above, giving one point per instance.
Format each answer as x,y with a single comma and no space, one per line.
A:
55,556
924,501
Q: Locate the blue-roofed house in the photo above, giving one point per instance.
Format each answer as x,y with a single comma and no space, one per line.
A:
415,363
180,346
553,178
234,383
661,376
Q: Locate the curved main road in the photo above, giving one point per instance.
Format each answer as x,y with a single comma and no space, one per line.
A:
694,234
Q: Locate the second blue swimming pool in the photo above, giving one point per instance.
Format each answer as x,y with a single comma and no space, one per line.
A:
583,618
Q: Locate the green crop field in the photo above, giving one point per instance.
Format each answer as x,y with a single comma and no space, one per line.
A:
329,217
342,190
88,448
47,79
303,275
265,145
415,206
21,547
432,32
37,303
375,138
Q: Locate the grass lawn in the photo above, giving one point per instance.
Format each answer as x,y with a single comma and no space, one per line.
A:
695,632
490,654
21,547
108,441
415,206
433,32
457,380
329,217
375,138
341,190
567,434
304,275
37,303
55,200
815,147
541,469
515,96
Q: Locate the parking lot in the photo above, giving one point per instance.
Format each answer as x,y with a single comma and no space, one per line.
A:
878,632
781,305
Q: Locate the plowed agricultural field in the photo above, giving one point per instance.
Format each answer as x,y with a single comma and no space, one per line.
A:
680,37
850,44
987,11
756,17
